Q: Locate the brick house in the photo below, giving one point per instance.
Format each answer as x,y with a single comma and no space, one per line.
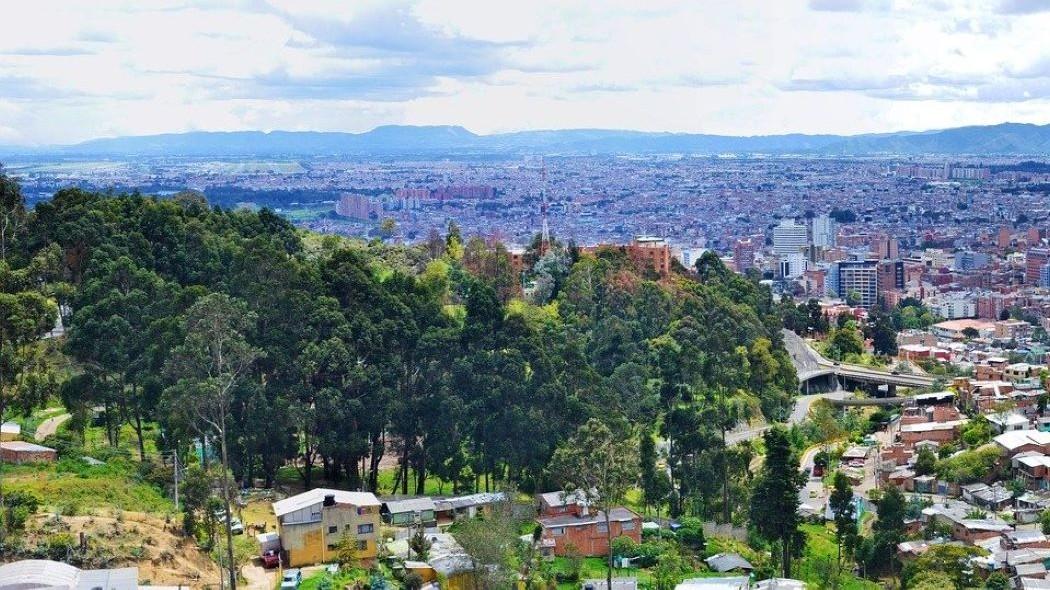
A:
1033,468
586,530
938,432
18,451
967,530
560,503
1023,441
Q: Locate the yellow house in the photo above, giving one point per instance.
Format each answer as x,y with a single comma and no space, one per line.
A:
311,525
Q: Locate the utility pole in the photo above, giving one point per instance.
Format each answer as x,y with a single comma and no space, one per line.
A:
176,480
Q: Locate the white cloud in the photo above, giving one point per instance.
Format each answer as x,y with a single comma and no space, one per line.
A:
116,67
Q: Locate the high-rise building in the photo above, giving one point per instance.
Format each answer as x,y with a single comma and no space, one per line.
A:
357,206
1035,260
971,260
890,275
885,248
789,237
859,277
792,266
1003,240
823,231
744,254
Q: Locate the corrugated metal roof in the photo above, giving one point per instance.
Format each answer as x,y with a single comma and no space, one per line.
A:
724,562
409,505
43,574
38,573
316,496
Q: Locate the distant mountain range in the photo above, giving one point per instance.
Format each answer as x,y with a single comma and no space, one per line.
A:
1003,139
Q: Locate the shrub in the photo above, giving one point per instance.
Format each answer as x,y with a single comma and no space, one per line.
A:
691,534
59,546
413,581
18,507
624,547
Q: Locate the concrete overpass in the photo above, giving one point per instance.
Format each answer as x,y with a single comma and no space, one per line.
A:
815,370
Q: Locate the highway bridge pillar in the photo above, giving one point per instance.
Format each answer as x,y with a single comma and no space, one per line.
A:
891,390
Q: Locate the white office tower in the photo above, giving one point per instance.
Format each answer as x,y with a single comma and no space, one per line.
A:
823,231
793,266
789,238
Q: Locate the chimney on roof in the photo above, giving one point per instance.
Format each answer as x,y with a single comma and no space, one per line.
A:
329,500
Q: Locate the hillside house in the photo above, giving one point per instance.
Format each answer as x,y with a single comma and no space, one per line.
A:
10,431
954,514
30,574
560,503
409,512
586,530
448,510
1033,468
938,432
1023,441
19,451
312,524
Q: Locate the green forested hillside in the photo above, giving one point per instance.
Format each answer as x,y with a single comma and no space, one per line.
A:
431,354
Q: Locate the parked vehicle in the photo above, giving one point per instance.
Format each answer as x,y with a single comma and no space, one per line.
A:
270,559
291,579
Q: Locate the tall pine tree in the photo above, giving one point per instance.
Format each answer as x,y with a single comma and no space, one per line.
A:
775,497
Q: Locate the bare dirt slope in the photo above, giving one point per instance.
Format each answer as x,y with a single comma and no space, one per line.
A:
162,554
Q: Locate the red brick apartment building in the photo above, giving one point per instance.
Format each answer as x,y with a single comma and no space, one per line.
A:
644,252
567,521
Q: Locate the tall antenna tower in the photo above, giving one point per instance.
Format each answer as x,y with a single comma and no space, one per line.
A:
545,235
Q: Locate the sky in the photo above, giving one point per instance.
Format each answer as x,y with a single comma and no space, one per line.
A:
72,71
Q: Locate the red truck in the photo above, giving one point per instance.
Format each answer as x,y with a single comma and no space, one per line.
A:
271,559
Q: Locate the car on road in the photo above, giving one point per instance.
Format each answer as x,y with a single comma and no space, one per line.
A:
291,579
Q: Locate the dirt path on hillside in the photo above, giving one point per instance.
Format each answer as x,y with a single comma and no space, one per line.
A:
50,426
258,578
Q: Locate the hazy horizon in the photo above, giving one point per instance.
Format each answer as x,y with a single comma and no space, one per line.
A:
114,69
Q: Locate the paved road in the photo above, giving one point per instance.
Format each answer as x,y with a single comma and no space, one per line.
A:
805,359
798,414
809,363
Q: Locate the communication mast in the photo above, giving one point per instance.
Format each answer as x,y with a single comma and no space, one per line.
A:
545,235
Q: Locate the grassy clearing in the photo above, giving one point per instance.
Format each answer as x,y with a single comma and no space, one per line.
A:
73,487
821,550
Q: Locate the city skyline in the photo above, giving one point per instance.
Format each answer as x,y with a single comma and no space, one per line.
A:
71,74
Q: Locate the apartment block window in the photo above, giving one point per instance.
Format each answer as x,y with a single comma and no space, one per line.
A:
364,529
602,527
333,529
628,525
557,532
